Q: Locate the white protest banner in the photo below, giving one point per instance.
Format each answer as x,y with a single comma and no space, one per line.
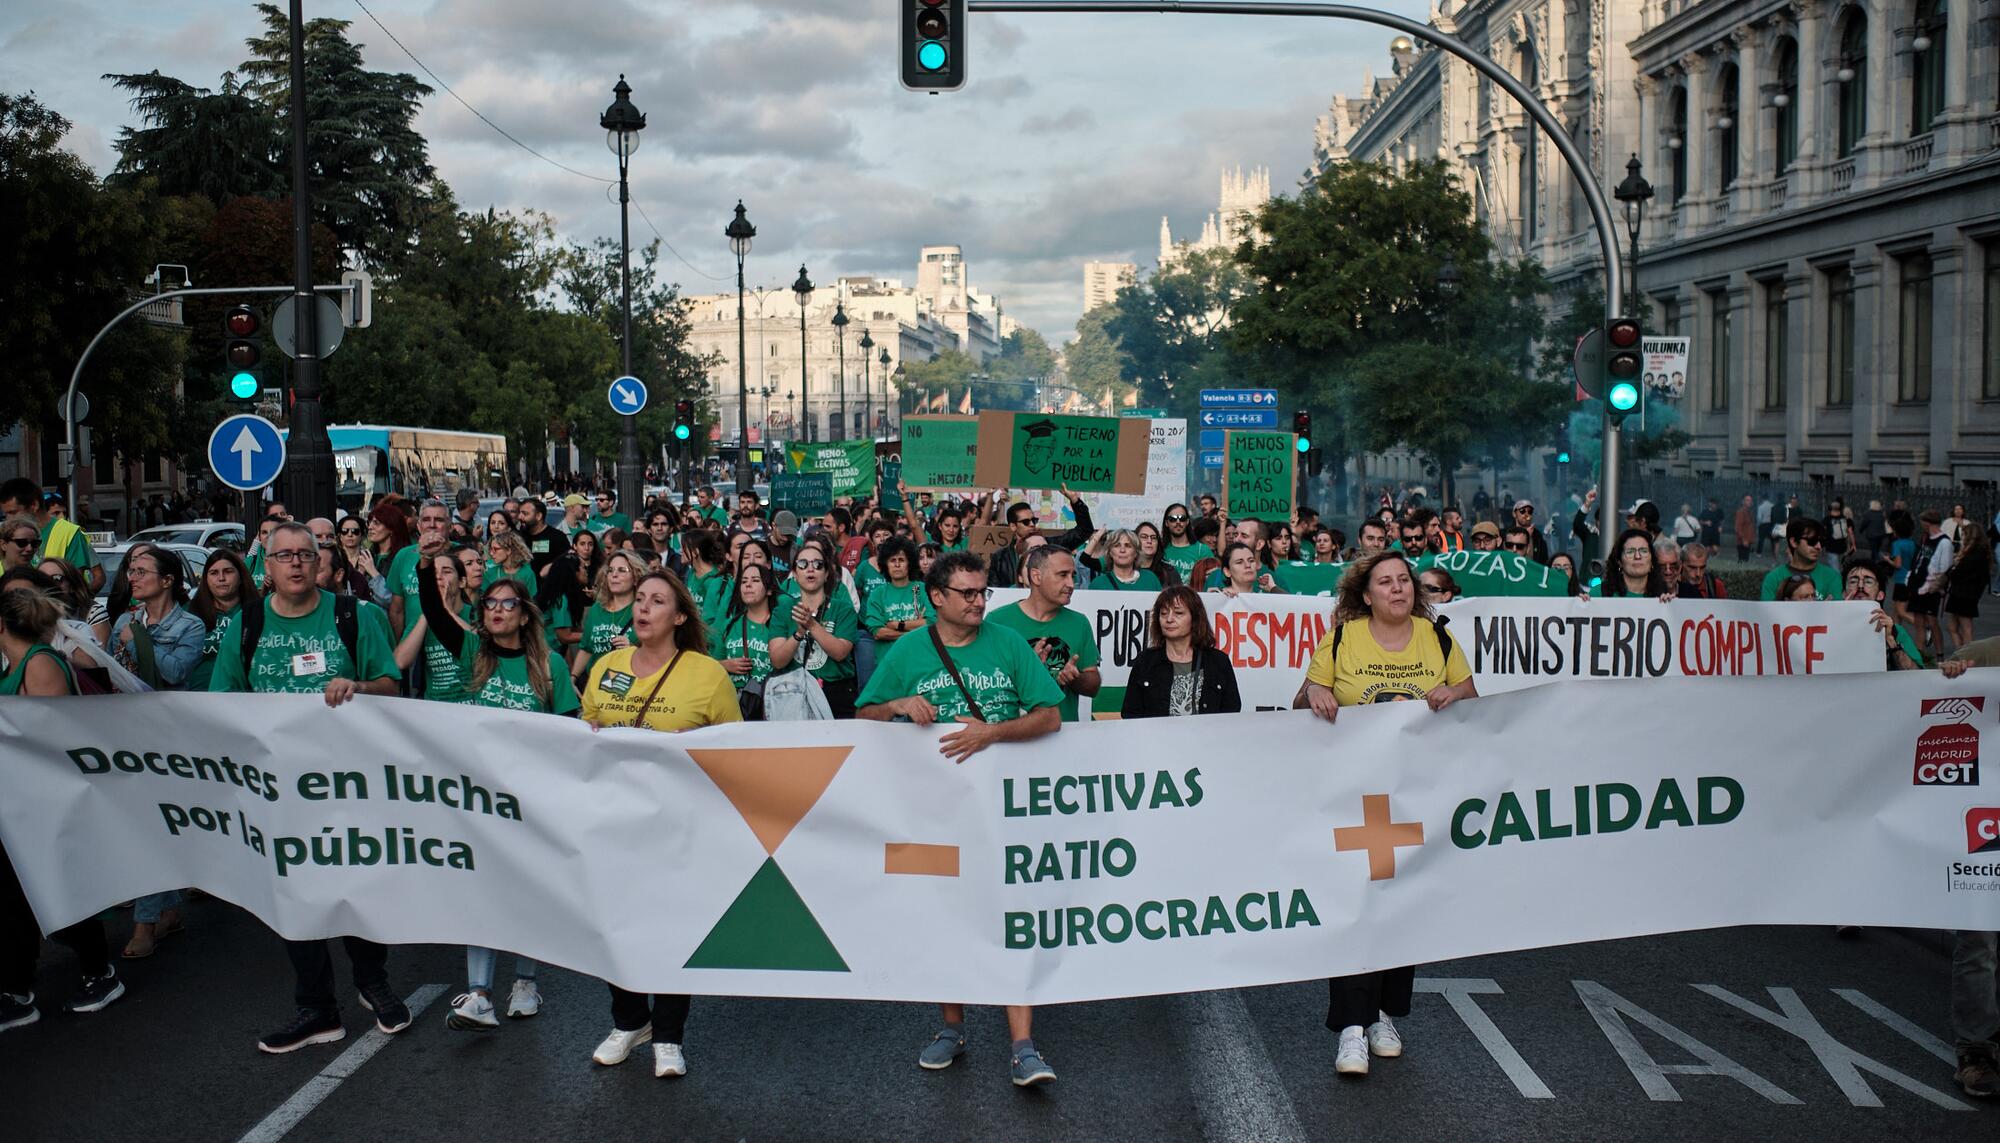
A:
849,859
1166,481
1510,642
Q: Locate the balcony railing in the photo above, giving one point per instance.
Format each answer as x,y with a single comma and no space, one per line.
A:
1774,195
1843,175
1917,154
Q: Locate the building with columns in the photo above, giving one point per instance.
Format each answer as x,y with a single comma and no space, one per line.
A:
1242,194
942,312
1826,225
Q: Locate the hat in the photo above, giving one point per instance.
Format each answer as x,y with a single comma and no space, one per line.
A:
1520,504
1042,428
785,523
1645,509
1486,528
574,500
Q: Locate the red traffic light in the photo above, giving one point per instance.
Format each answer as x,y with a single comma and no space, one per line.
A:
1622,333
241,321
242,354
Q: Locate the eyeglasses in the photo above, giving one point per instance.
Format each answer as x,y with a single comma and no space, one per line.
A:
809,565
1030,521
1628,553
1815,541
971,594
23,541
1178,518
292,556
508,604
1515,547
350,531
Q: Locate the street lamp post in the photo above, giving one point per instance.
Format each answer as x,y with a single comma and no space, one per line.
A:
884,360
740,232
867,386
803,290
840,328
1634,193
622,123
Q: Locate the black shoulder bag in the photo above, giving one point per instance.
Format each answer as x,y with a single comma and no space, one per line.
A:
944,657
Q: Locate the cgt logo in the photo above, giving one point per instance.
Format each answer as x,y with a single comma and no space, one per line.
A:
1982,829
1954,709
1947,756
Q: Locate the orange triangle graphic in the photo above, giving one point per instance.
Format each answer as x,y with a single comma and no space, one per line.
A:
772,788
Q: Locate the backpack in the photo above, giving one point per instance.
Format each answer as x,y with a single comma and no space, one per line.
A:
345,622
1437,625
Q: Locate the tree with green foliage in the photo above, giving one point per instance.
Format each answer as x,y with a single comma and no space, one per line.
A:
1172,329
948,374
1097,368
661,356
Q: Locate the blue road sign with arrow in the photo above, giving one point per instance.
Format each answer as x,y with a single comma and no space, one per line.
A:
1239,418
1239,399
628,396
246,452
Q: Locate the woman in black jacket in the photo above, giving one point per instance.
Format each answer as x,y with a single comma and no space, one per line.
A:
1182,671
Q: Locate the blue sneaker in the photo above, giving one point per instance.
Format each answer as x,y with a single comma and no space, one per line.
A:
944,1047
1031,1069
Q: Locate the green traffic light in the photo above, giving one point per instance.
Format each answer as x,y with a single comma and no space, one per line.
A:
1303,445
931,56
1562,457
680,432
244,385
1623,397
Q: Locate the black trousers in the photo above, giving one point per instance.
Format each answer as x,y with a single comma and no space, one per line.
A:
630,1011
840,696
312,966
1353,1000
21,937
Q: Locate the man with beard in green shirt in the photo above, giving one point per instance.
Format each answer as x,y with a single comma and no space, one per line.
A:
1006,695
1062,638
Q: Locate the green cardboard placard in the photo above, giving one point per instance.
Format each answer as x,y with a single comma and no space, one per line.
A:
1475,573
805,494
892,500
939,452
1259,475
851,464
1044,450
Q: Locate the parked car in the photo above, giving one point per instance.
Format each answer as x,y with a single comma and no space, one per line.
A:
205,534
112,557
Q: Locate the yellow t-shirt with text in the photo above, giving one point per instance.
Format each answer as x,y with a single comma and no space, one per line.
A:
1365,673
698,693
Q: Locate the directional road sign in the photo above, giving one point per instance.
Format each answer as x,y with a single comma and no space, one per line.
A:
329,327
1212,438
1211,458
1264,418
1239,399
246,452
627,395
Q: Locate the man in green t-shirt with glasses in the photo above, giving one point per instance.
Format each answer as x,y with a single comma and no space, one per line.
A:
306,645
1007,695
1062,638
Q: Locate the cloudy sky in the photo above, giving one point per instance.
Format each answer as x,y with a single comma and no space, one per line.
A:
1072,137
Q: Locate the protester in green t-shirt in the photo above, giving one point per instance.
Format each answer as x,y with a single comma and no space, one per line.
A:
825,626
1242,573
225,589
1865,581
433,535
898,604
443,680
1001,692
299,650
1805,540
1181,551
1118,568
607,515
753,641
1062,638
607,622
508,558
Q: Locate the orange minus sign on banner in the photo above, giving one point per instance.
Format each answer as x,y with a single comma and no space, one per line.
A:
920,860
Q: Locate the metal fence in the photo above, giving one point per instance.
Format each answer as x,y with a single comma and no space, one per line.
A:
1670,492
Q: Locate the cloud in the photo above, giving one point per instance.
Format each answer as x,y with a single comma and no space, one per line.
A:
1074,119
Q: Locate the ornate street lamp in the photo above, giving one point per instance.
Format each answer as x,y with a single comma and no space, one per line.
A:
740,232
1448,278
803,290
884,360
1634,192
867,386
840,327
622,123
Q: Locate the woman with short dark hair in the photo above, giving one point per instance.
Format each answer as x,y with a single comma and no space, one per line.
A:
1181,671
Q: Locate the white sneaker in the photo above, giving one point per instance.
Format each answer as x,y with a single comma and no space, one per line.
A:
471,1012
524,1001
669,1060
1383,1039
618,1045
1352,1059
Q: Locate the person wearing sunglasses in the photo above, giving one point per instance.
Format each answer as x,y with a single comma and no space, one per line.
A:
1518,540
19,538
502,662
607,620
988,680
824,624
443,680
1805,541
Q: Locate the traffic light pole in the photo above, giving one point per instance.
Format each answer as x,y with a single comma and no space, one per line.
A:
309,481
1600,207
76,374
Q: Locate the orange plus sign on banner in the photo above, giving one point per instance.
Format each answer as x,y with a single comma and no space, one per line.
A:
1379,836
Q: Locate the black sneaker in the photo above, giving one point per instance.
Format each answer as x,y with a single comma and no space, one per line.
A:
17,1011
310,1026
391,1014
1979,1072
96,993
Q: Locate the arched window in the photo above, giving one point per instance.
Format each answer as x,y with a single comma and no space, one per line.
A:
1852,74
1927,76
1677,118
1726,129
1786,100
1531,152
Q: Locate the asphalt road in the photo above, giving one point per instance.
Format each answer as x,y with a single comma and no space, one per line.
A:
1514,1046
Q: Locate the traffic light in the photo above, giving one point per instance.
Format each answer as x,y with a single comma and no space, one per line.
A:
933,45
1622,365
683,419
1302,430
241,328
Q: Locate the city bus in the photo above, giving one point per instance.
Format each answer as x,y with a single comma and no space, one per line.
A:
370,461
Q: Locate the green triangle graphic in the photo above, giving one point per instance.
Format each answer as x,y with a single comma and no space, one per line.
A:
768,926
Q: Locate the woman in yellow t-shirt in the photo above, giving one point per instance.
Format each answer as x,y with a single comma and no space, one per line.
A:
663,681
1383,646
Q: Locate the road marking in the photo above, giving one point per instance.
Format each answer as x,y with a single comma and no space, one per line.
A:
1611,1010
1841,1062
280,1122
1896,1022
1459,994
1236,1091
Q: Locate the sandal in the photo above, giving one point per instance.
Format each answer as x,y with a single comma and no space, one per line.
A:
145,944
